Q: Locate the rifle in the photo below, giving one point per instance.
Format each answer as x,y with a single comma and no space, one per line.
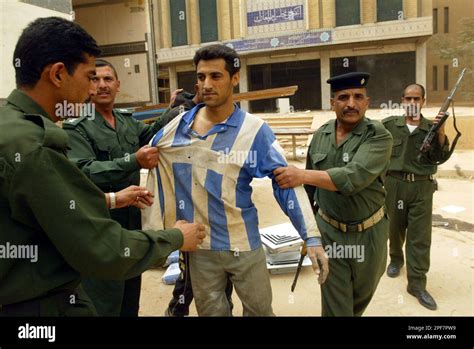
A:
300,265
304,251
427,142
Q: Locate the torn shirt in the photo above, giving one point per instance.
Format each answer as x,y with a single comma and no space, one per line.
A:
206,179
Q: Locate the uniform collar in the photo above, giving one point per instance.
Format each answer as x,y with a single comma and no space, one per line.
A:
424,123
360,127
330,127
54,136
25,103
100,120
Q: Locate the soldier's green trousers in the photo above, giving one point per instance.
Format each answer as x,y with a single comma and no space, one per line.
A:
69,303
410,206
353,278
114,298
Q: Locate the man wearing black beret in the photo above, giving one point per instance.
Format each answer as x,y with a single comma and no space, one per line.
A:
346,164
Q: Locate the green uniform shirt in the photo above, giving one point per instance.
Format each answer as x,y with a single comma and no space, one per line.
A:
406,146
107,155
356,166
46,201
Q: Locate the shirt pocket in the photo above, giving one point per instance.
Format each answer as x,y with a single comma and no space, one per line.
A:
103,150
397,148
317,160
133,143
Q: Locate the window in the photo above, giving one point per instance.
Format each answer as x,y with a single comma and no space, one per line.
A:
305,74
347,12
435,21
390,73
446,78
179,35
446,19
435,78
208,20
389,10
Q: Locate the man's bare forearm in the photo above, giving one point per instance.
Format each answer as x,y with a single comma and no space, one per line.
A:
320,179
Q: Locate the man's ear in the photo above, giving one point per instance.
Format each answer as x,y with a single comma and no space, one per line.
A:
332,103
368,102
118,85
56,73
236,79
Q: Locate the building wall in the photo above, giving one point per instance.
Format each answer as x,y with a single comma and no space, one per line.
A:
369,37
118,25
133,75
114,23
14,17
458,10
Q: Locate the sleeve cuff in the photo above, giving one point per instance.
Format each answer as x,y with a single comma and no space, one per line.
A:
341,181
176,237
313,241
131,164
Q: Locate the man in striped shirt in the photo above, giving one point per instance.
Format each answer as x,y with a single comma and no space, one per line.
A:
208,158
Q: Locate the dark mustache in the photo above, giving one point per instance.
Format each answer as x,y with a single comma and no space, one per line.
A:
349,110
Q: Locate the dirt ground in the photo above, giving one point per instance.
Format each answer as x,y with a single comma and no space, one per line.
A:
450,279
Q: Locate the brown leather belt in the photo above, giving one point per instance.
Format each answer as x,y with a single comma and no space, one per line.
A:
354,227
409,177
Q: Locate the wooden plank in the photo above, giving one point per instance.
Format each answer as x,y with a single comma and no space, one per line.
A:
266,94
293,131
245,96
151,107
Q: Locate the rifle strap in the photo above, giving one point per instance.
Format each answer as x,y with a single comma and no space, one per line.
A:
455,140
453,144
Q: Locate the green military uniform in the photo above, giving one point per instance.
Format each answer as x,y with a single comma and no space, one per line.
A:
356,167
410,187
46,201
107,156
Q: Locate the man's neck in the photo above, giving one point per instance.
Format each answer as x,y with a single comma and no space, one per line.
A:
343,128
218,114
46,102
411,121
105,110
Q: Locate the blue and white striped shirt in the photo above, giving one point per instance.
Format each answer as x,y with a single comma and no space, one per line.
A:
206,179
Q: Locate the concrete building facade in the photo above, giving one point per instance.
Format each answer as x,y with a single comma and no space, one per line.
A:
298,42
124,32
453,33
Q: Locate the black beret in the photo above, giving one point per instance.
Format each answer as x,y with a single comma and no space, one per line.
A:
349,80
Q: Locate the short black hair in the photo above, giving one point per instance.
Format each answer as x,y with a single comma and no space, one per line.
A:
50,40
421,87
231,57
103,63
